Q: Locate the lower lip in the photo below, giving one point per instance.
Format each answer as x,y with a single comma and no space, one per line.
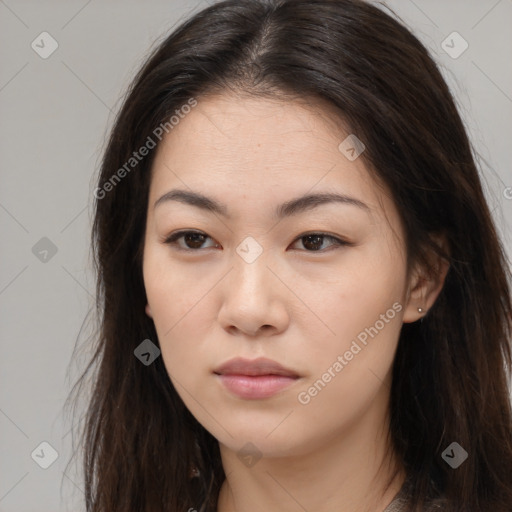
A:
256,386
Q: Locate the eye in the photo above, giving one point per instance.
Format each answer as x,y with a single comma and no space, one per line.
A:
194,241
314,241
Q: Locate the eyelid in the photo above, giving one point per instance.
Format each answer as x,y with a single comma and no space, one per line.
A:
338,241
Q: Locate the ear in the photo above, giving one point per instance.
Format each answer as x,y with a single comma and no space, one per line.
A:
426,284
148,311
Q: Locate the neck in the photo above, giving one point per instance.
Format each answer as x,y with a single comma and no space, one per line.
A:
354,470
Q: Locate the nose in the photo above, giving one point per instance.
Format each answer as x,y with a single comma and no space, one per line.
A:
254,300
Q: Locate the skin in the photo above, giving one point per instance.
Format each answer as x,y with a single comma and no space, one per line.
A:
300,307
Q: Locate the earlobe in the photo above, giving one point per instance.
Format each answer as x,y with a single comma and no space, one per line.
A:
148,311
416,304
426,285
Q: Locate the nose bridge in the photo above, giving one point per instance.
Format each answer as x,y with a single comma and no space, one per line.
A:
250,297
250,267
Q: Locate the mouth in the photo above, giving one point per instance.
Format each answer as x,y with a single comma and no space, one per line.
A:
255,379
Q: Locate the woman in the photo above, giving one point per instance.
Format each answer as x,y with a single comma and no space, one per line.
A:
304,304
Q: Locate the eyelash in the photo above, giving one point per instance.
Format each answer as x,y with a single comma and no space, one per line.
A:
173,237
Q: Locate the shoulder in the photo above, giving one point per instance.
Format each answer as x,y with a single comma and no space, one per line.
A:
403,505
402,502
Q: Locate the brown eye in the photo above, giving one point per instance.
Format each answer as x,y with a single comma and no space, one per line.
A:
313,242
196,239
193,240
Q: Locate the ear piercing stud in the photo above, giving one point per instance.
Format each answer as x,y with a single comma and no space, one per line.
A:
420,310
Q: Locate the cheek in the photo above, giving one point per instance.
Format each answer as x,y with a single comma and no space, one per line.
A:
356,294
361,312
175,301
172,292
350,371
182,329
178,318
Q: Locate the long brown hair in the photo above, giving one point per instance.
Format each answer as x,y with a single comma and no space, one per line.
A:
450,376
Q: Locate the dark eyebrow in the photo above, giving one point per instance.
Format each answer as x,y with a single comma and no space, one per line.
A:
288,208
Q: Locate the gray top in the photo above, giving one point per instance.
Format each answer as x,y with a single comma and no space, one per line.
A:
399,503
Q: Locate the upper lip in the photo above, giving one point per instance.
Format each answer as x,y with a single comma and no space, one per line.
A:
260,366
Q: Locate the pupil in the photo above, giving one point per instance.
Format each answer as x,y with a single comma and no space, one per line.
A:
198,242
317,239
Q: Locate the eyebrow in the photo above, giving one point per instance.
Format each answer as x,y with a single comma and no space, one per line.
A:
292,207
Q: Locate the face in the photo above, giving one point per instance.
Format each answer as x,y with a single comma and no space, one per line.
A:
317,286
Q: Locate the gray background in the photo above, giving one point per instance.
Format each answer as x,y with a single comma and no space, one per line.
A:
55,113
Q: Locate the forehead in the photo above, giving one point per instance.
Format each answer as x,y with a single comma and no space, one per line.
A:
242,129
242,148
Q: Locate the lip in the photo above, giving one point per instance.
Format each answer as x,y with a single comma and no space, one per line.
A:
254,367
255,379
